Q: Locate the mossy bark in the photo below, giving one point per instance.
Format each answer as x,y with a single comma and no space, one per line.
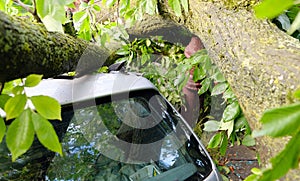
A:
261,63
27,48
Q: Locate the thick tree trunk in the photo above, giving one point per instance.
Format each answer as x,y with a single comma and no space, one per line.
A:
261,63
28,48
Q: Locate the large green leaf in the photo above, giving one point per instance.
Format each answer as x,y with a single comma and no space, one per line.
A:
47,107
20,134
280,121
52,24
272,8
33,80
211,126
175,6
219,88
15,106
231,111
42,7
46,133
285,160
2,129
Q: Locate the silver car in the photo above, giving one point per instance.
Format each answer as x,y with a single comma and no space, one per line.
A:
116,126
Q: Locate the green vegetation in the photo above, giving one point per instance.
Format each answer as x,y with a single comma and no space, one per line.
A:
162,63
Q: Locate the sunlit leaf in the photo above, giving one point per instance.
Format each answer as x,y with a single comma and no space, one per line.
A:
47,107
229,125
175,6
185,5
20,135
46,133
211,126
110,3
96,7
219,89
272,8
280,121
215,140
15,106
248,141
52,24
2,129
42,7
33,80
297,94
231,111
205,84
295,25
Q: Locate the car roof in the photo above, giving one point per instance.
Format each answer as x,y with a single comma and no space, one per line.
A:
87,87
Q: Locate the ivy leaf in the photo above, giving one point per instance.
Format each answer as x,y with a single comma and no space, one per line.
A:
211,126
205,84
231,111
215,140
20,135
175,6
248,141
15,106
219,89
272,8
33,80
2,129
46,133
47,107
185,5
281,121
3,99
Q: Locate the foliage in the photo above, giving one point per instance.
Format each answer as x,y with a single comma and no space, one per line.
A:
280,122
285,13
28,116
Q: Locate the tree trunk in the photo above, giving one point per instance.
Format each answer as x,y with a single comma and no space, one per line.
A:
260,62
27,48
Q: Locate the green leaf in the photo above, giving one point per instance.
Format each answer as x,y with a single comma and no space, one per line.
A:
42,8
33,80
18,90
185,5
224,145
295,25
211,126
229,125
15,106
205,84
231,111
199,74
2,5
3,99
248,141
46,133
47,107
280,121
175,6
272,8
215,140
2,128
96,7
110,3
52,24
151,6
285,160
219,88
297,94
218,77
20,135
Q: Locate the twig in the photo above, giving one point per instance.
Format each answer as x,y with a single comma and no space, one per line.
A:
25,6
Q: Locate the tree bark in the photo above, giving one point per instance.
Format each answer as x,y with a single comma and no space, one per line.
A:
260,62
27,48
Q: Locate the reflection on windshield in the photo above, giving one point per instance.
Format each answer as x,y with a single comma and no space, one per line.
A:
135,138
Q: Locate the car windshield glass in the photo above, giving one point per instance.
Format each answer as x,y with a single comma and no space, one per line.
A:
123,137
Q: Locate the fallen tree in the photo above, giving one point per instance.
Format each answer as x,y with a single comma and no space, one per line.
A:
260,62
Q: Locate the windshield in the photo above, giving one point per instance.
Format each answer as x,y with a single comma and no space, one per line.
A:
124,137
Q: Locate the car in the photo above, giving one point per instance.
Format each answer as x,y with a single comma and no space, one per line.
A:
115,126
